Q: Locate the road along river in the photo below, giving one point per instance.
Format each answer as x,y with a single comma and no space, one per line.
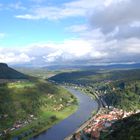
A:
66,127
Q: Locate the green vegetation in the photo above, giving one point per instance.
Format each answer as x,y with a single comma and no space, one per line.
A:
122,94
33,107
119,88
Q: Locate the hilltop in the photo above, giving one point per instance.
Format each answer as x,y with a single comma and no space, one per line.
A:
7,72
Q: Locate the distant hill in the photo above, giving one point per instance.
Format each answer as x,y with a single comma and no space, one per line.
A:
96,67
92,76
8,73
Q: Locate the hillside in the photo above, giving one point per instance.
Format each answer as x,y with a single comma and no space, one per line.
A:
30,105
8,73
72,77
28,108
93,76
119,88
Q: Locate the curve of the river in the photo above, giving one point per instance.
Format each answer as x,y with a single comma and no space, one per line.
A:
66,127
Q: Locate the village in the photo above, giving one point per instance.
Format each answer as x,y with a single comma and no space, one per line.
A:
101,122
18,124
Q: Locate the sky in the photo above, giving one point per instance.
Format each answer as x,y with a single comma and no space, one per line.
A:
69,32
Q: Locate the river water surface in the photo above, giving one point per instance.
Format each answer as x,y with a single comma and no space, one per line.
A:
70,124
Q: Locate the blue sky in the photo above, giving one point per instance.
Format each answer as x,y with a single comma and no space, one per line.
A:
20,32
46,32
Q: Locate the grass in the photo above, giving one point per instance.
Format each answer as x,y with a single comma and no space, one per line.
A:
20,84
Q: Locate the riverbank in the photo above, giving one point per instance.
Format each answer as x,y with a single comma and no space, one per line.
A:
33,107
58,117
70,124
95,96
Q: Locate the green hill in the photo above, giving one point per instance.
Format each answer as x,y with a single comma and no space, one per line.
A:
9,73
119,88
92,76
29,105
35,106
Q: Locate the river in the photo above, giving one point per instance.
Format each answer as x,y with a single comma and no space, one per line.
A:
70,124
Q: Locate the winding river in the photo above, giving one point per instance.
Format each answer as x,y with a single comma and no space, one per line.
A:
70,124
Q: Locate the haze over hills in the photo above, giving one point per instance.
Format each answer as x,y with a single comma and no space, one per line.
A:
7,72
109,66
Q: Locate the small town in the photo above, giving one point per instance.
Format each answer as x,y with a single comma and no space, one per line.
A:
101,122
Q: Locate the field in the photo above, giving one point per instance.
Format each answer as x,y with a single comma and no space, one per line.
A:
32,107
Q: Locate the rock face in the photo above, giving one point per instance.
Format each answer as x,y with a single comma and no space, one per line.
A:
9,73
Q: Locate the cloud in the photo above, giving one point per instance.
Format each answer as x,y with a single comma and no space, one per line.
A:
77,28
120,14
77,8
2,35
51,13
65,10
16,6
12,58
69,50
113,35
38,1
72,51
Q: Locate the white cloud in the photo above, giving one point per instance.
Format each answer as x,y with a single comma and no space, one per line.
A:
38,1
2,35
135,24
17,6
77,28
93,51
51,13
65,10
68,9
53,56
13,57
